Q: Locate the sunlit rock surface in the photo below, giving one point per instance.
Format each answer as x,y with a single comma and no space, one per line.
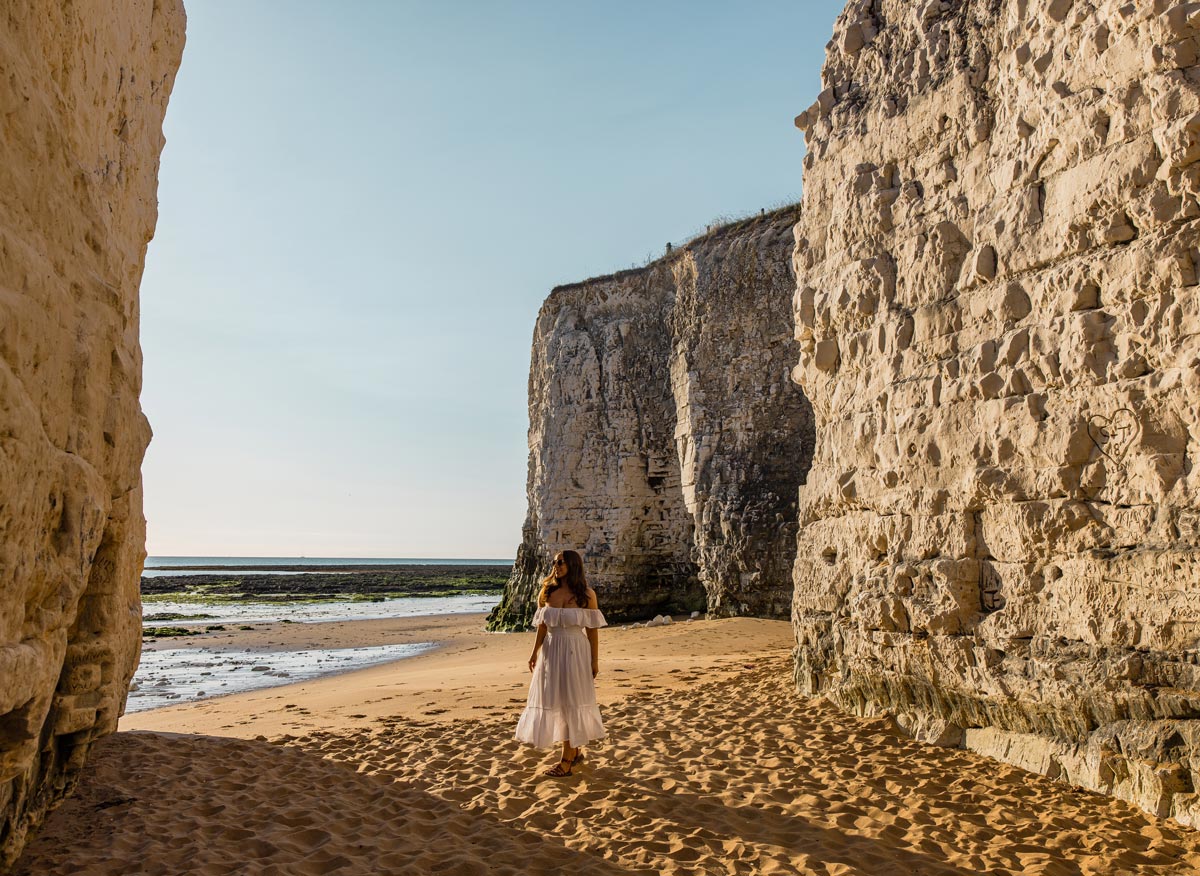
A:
998,308
666,440
83,93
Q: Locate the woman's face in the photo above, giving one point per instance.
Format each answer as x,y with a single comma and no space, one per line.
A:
560,567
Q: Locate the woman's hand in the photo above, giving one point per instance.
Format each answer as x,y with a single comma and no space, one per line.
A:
533,661
595,668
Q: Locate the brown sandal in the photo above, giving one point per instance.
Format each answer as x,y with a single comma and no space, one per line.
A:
557,770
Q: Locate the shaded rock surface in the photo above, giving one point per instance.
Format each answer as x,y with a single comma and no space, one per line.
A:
666,442
997,302
84,92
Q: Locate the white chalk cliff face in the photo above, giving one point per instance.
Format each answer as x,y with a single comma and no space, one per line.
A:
998,304
666,440
83,94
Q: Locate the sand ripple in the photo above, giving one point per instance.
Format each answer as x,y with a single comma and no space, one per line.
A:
739,776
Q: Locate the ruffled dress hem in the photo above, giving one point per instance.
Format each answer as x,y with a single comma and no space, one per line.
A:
543,728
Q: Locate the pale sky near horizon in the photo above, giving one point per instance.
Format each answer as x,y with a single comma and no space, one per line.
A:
362,207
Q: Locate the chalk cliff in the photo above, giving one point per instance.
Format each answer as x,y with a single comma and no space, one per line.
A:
666,441
997,302
83,94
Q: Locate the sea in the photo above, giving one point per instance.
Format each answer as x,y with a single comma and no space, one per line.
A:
187,565
171,674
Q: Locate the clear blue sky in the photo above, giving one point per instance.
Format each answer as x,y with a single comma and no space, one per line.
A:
362,206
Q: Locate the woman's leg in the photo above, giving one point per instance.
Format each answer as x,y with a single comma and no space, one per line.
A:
563,767
568,756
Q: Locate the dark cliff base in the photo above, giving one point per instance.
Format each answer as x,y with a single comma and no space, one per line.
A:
520,595
673,591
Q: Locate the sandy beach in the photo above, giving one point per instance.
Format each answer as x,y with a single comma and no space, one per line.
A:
713,765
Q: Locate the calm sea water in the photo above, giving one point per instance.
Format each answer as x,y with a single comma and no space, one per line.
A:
167,566
180,675
172,675
199,613
172,562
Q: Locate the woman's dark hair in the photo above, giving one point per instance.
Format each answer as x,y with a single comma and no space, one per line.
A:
574,580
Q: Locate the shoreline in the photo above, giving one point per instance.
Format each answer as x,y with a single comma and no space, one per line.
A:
452,680
264,639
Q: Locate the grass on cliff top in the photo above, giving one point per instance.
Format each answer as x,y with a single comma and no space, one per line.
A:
720,226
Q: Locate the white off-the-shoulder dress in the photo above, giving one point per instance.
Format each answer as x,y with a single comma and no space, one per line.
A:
562,695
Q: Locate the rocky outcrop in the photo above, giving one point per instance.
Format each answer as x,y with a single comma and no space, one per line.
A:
666,442
997,300
84,91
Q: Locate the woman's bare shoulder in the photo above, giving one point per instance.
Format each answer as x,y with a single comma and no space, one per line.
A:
593,602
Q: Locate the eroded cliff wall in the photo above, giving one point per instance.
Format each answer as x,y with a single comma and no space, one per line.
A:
83,93
997,300
666,442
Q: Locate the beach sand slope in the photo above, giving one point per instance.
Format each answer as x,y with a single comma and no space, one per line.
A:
722,773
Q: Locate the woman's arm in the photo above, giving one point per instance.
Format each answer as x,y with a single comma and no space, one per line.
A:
541,637
593,635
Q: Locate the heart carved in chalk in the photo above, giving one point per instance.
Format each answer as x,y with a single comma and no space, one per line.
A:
1114,435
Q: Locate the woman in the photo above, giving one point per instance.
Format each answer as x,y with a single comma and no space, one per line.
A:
562,695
